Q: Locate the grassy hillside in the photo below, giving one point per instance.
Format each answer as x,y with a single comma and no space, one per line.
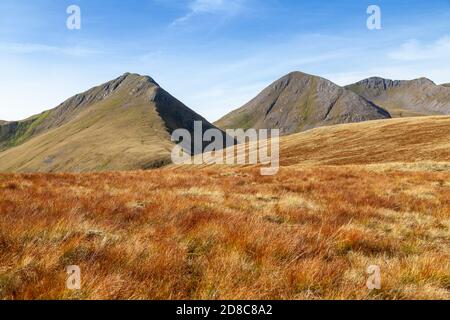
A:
124,124
346,197
111,134
17,132
424,140
396,140
108,136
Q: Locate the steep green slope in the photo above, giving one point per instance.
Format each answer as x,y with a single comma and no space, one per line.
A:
16,132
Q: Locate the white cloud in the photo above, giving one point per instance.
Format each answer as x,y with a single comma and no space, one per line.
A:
413,50
32,48
200,6
223,7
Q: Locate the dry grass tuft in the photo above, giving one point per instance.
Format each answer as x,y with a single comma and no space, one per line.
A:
347,197
307,233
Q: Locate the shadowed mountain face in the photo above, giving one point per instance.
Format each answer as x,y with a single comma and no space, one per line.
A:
124,124
298,102
405,98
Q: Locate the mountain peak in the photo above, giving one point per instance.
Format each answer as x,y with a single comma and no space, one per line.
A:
424,80
299,75
133,76
298,102
405,98
125,123
134,83
378,83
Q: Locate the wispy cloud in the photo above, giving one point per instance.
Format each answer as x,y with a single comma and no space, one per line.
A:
33,48
222,7
414,50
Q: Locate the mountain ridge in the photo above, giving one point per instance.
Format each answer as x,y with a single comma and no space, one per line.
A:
298,102
123,124
405,98
20,131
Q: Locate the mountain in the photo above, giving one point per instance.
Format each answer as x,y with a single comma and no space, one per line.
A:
298,102
447,85
405,98
124,124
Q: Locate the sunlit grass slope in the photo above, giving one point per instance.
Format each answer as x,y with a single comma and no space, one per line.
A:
346,197
124,124
306,233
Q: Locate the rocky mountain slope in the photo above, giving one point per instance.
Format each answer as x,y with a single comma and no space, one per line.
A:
121,125
298,102
405,98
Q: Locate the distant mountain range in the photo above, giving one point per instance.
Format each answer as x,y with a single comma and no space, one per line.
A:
123,124
405,98
298,102
126,123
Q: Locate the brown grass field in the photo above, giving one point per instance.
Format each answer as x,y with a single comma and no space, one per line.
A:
309,232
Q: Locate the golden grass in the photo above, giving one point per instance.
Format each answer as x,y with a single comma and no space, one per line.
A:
407,144
306,233
406,140
346,197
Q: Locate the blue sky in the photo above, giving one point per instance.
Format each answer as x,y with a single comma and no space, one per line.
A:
214,55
